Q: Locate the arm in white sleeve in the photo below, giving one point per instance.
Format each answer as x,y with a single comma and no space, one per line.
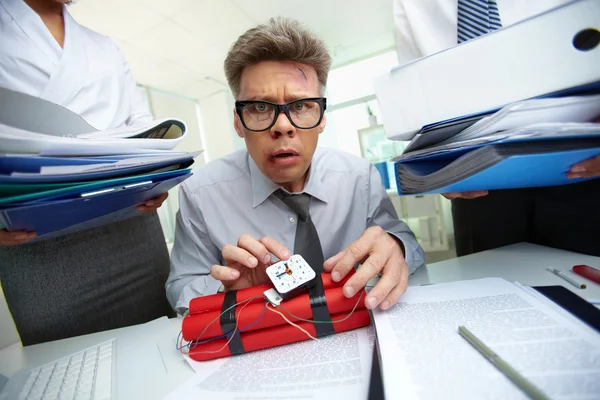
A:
406,44
192,256
381,213
138,110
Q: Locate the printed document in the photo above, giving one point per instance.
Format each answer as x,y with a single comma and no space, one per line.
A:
334,367
424,357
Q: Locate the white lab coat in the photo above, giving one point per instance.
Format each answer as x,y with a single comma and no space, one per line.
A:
99,278
89,75
424,27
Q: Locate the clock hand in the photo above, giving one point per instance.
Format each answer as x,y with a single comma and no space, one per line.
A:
287,271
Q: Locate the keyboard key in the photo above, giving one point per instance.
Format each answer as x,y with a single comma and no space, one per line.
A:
83,375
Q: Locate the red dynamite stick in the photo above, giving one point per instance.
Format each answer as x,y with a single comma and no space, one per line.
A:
214,302
588,272
193,325
276,336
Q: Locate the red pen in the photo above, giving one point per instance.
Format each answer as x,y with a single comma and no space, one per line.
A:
588,272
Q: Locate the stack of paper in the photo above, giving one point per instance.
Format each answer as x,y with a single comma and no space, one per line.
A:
424,357
58,174
421,354
525,144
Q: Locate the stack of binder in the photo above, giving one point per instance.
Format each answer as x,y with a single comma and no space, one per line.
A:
59,175
500,111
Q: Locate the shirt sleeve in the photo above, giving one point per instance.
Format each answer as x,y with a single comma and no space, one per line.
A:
192,255
381,213
138,109
406,44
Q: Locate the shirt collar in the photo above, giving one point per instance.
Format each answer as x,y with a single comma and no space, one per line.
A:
263,187
32,26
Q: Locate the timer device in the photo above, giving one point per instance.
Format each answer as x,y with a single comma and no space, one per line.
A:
290,276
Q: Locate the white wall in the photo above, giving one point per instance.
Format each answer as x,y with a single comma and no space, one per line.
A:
167,105
216,119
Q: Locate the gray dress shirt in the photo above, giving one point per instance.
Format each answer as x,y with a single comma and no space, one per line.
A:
230,197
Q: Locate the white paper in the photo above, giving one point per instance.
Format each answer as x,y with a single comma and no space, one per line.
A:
13,140
133,130
536,111
553,130
334,367
424,357
110,166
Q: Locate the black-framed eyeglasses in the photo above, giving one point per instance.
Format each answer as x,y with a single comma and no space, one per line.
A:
258,116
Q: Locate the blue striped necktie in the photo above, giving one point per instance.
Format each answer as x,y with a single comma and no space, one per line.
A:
476,18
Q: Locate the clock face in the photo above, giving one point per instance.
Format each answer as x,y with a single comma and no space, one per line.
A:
289,274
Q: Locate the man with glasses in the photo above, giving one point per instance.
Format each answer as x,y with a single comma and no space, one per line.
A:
282,195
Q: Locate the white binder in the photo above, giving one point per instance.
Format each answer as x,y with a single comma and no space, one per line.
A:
528,59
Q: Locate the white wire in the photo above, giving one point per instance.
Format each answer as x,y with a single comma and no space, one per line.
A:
291,323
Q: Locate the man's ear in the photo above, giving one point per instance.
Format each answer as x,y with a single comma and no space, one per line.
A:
323,123
237,124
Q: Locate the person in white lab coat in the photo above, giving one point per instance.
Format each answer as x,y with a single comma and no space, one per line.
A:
564,217
99,278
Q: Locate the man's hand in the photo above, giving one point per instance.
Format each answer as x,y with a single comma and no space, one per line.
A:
465,195
152,205
377,251
247,262
14,238
585,169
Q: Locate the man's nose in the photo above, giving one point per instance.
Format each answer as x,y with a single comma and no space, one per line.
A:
282,126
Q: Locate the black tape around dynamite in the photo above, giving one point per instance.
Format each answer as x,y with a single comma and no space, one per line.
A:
228,323
318,305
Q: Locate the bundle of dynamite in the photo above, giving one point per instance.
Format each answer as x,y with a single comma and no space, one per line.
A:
244,320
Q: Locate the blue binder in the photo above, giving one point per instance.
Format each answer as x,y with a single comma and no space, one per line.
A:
32,166
78,211
70,190
515,171
522,171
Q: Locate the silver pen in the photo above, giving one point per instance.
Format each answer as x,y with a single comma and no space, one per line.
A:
572,280
519,380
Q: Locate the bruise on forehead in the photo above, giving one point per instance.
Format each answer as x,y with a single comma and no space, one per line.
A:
302,72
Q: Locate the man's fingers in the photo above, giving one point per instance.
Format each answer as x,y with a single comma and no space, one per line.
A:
585,169
451,196
255,248
224,274
161,199
395,294
331,262
465,195
275,248
152,204
474,194
14,238
379,257
354,254
392,274
237,254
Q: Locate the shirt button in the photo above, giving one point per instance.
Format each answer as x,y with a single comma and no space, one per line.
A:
292,220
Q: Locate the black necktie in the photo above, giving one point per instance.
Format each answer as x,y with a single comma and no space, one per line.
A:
308,245
307,242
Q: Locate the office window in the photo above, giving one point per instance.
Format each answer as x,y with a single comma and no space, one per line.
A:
168,105
355,80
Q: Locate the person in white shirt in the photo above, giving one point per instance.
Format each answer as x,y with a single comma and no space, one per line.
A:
99,278
282,195
564,217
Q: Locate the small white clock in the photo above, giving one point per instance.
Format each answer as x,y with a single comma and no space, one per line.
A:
291,274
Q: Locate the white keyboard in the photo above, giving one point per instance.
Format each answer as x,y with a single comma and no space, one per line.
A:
87,374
